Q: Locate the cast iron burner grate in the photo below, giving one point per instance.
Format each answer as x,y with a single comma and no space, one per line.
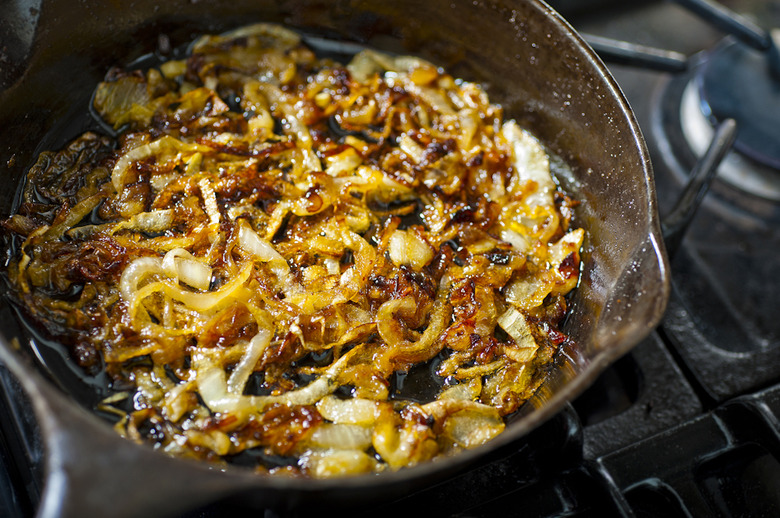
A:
721,319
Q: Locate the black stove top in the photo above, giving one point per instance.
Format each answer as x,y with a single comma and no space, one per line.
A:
686,424
721,323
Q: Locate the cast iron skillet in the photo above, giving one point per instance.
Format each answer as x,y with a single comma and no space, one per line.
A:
529,59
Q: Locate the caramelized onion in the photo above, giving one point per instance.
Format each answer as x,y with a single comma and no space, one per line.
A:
274,237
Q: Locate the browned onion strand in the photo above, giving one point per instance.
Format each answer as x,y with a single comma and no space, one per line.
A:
275,236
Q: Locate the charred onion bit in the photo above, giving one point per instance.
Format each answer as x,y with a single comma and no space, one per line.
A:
273,238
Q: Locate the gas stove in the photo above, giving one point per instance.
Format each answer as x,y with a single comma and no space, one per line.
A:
686,424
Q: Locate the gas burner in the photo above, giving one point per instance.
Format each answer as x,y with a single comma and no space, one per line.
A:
737,170
735,81
683,127
738,82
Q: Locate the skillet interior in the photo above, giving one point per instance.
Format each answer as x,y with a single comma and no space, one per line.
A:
530,62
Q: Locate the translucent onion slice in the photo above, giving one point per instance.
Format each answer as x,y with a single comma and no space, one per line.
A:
336,463
341,437
469,391
477,371
135,272
261,249
470,429
469,123
332,266
528,292
388,320
516,326
348,411
341,163
408,248
517,240
412,149
155,221
183,266
531,163
123,100
257,346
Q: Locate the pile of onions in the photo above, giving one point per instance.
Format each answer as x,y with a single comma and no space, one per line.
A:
272,238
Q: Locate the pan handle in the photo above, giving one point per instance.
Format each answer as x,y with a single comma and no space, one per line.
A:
132,480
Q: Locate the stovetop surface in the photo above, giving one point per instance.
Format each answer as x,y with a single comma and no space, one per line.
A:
687,424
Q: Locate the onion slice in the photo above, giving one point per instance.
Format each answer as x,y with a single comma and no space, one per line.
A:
183,266
261,249
254,350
